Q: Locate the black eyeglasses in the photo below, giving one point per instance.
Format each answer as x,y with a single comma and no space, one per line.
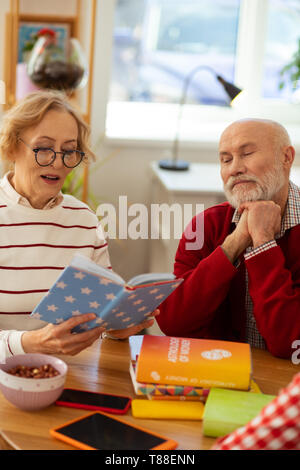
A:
46,156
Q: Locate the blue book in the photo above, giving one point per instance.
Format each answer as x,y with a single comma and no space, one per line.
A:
85,287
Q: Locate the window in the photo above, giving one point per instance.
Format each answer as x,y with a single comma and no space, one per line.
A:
156,43
283,33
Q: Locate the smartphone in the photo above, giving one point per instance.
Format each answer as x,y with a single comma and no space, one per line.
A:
99,431
87,400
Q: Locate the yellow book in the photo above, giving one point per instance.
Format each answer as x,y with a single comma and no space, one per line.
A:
176,398
161,409
194,362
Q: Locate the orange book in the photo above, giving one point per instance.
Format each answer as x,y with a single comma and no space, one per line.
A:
196,362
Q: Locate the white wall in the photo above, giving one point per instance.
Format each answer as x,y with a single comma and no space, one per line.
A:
48,7
127,173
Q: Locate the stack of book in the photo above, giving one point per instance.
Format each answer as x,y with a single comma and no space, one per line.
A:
214,376
172,368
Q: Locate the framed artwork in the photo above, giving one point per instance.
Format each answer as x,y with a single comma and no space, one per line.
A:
29,29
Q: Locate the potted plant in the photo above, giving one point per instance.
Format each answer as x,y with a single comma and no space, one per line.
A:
292,72
50,66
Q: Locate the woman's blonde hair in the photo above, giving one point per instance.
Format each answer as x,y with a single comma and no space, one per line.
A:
29,112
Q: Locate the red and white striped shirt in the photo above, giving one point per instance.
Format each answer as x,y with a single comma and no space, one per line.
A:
35,246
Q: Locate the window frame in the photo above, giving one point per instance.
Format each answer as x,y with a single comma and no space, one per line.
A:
199,123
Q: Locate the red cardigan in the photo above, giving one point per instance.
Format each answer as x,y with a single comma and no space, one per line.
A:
210,303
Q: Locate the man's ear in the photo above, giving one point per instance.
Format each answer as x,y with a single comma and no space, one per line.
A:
288,156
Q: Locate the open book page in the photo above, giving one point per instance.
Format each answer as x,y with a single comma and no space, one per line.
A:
76,292
137,305
81,262
85,287
150,278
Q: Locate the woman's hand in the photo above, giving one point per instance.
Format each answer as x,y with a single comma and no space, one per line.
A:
58,339
133,330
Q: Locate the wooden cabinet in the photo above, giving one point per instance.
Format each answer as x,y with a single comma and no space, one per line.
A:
184,190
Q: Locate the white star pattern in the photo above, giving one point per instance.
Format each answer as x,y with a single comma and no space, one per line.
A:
110,296
76,312
37,316
105,282
79,275
77,291
59,320
86,290
52,308
120,314
61,285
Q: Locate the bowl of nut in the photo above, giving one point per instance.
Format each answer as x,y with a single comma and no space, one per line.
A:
32,381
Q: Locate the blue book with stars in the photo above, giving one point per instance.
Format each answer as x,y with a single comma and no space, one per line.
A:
85,287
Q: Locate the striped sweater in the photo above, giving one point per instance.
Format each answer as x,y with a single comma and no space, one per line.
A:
35,246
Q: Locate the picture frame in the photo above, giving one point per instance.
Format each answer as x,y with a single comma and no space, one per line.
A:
30,26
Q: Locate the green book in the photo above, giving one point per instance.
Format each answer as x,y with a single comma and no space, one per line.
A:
226,410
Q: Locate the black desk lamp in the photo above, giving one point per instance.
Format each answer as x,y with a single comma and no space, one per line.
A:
231,90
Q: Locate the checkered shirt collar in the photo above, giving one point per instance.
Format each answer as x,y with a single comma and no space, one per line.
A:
291,216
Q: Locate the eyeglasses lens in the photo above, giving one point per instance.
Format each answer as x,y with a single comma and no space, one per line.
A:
70,159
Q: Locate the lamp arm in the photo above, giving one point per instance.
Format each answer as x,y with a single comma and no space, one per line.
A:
182,101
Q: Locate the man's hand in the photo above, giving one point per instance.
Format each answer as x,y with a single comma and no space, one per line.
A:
237,241
264,220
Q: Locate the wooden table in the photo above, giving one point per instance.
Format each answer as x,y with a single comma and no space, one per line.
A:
104,368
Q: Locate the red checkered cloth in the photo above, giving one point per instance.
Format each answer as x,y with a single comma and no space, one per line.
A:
277,427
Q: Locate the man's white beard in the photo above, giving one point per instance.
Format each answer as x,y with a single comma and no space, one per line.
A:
264,190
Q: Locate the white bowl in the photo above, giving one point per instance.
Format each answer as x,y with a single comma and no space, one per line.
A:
32,394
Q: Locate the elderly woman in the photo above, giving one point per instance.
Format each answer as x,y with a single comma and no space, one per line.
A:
43,138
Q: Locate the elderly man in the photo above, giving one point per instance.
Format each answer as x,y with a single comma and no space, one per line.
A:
244,283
